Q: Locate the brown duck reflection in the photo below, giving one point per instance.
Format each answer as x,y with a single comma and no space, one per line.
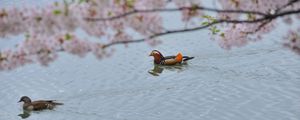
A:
25,114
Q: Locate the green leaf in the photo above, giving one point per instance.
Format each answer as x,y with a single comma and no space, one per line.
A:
251,17
222,35
57,12
2,58
82,1
205,23
109,13
56,3
38,19
27,36
213,19
214,30
206,16
130,3
68,36
66,4
118,2
210,18
194,6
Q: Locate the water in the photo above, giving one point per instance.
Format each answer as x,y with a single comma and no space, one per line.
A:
258,82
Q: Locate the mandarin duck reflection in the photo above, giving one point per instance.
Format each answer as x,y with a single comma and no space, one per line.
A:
168,60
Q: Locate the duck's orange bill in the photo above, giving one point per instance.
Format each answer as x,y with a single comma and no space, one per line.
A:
179,57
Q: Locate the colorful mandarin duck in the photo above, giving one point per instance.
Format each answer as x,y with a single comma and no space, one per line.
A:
168,60
38,105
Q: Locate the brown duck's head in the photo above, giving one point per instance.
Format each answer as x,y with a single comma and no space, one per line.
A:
156,53
25,99
157,56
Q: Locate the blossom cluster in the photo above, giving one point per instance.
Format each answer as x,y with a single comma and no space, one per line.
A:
50,29
292,40
236,35
37,49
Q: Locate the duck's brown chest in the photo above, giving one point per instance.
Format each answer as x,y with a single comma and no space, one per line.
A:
28,106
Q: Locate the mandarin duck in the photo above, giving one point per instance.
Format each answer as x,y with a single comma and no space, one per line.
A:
168,60
38,105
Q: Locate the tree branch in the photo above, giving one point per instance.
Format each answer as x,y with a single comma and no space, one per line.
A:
265,18
286,5
264,23
135,11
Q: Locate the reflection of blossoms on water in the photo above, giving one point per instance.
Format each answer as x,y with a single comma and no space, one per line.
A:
51,29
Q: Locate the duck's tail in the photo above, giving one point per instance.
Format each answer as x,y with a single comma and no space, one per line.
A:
57,103
54,102
186,58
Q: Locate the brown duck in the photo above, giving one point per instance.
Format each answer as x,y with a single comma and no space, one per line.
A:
168,60
38,105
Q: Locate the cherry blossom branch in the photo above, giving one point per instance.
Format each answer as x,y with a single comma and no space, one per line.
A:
286,5
136,11
259,27
265,18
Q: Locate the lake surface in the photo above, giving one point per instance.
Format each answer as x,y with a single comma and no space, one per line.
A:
258,82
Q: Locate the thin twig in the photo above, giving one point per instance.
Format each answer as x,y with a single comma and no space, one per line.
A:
291,2
264,23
